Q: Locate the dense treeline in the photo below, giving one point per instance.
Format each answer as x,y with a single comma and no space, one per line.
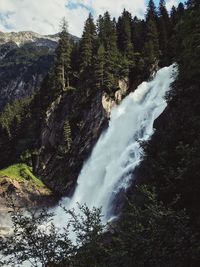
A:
160,223
108,50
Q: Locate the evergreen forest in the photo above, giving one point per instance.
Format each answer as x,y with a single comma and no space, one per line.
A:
159,221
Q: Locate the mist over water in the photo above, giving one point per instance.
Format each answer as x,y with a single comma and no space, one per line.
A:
117,152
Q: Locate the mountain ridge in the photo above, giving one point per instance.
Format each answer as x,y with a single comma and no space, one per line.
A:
22,37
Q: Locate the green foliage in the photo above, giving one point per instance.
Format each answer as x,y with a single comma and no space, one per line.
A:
151,47
99,67
16,133
88,229
36,239
193,3
125,43
107,32
164,32
87,44
110,71
152,235
67,135
151,13
138,34
107,55
156,229
25,55
13,115
21,172
63,60
188,45
172,156
148,234
124,33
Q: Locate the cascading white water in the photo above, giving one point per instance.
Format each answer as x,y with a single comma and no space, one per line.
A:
117,152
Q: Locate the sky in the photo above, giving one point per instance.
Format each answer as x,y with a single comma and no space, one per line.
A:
43,16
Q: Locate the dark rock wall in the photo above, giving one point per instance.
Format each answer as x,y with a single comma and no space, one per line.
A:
87,120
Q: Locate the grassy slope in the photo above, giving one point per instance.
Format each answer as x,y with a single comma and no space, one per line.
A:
23,174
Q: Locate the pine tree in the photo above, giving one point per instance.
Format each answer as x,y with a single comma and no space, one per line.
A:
108,38
75,60
110,72
193,3
87,44
107,32
164,16
151,11
188,43
138,34
124,35
99,67
63,59
181,10
173,17
164,31
151,48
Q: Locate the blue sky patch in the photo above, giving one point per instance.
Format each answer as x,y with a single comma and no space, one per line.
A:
74,5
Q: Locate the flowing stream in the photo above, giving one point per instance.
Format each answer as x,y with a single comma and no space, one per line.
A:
117,152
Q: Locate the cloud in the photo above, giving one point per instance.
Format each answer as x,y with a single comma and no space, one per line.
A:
171,3
115,7
43,16
136,7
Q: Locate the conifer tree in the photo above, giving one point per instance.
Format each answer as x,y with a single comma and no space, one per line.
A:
87,44
99,27
138,34
107,32
99,67
173,16
151,48
110,72
124,35
151,11
180,10
176,15
108,38
164,16
164,31
75,60
188,43
193,3
63,58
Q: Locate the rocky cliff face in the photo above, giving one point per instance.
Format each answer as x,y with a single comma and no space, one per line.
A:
58,167
108,103
88,116
25,59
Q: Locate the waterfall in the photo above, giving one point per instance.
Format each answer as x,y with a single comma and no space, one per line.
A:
117,152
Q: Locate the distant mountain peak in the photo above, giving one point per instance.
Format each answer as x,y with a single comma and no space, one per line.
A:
22,37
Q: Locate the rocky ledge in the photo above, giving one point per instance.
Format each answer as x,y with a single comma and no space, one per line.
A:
19,185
